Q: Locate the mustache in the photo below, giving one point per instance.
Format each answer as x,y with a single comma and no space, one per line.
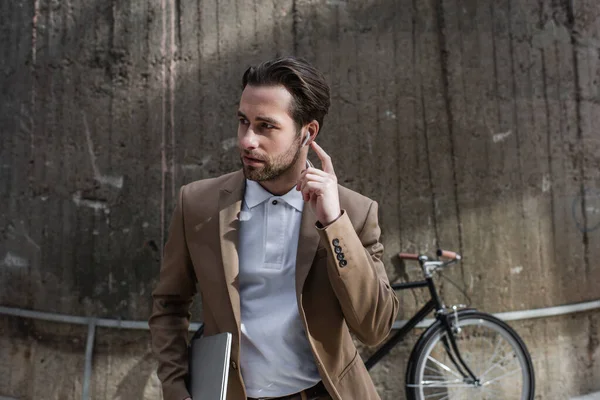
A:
254,155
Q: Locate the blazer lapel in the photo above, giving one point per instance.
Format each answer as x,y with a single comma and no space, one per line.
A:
308,241
230,203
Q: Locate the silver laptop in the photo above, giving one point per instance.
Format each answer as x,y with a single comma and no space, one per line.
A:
209,366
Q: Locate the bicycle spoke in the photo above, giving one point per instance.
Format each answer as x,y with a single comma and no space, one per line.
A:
434,383
480,363
472,361
482,354
497,365
460,394
441,384
443,398
436,371
494,380
473,354
432,377
445,367
444,393
498,343
498,393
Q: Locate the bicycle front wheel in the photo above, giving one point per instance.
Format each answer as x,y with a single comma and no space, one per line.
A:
490,348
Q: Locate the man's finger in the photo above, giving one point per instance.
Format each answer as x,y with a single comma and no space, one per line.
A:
309,188
312,174
326,164
304,183
315,171
315,177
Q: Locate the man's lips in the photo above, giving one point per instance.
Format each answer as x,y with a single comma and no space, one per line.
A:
250,160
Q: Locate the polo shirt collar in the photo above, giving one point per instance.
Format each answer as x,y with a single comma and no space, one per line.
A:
255,194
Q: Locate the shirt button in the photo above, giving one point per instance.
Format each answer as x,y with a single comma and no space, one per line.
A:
335,242
233,365
343,263
340,256
274,202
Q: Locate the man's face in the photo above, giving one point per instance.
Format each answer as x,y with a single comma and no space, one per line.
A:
267,135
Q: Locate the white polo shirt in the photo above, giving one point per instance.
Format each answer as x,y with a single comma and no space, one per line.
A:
275,355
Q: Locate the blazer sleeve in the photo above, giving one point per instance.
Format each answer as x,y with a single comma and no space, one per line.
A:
358,276
172,298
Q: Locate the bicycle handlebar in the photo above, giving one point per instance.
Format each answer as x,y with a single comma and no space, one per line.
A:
408,256
448,254
451,255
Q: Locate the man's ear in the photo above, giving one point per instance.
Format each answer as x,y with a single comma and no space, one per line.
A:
313,129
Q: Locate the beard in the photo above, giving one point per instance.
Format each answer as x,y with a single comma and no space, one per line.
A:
273,167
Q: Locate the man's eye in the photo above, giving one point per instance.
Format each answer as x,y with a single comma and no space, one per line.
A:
267,126
243,121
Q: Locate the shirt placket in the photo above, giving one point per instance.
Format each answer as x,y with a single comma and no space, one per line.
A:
275,234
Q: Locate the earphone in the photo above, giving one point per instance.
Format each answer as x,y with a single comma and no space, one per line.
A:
306,139
308,163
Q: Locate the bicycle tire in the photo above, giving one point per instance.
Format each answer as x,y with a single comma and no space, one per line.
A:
476,328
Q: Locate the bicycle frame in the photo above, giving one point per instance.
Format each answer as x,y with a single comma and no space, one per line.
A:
435,303
431,305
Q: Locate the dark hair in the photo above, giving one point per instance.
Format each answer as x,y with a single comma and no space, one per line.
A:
305,83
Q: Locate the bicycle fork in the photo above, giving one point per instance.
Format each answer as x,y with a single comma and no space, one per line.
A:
450,322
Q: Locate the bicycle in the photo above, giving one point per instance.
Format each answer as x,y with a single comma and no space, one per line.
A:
449,359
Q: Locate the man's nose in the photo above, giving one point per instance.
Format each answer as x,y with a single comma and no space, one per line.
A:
249,140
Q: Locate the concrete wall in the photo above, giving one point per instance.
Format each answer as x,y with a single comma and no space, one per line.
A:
473,123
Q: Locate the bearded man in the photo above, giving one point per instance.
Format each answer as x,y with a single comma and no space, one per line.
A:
285,259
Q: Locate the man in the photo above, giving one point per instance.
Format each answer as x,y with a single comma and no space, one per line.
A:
285,259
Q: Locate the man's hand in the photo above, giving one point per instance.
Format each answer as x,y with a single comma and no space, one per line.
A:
319,188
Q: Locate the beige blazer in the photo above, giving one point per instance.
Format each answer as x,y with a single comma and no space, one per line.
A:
334,298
